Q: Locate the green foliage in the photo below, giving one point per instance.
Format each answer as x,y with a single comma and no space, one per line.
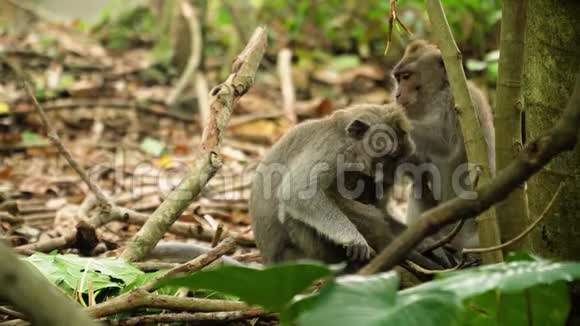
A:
525,290
373,300
125,29
271,288
349,25
73,273
520,292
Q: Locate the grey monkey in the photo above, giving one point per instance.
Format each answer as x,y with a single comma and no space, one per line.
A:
302,202
424,92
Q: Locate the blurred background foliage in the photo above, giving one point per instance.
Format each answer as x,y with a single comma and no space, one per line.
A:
316,30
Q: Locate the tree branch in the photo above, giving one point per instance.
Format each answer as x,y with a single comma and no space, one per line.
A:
200,317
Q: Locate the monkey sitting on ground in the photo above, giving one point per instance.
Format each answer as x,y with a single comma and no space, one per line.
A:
425,94
302,202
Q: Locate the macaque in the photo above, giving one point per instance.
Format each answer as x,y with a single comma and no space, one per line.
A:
425,94
304,195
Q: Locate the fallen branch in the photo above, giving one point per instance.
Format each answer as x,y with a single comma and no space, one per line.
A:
562,137
140,298
47,245
194,318
222,98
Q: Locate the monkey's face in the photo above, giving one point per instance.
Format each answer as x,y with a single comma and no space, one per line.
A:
409,86
420,78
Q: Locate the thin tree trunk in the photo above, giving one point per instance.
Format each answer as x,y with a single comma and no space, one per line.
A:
512,213
487,227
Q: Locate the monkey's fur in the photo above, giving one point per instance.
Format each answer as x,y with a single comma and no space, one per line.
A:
297,206
425,94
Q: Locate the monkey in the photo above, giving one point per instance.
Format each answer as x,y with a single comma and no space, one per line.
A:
424,93
302,204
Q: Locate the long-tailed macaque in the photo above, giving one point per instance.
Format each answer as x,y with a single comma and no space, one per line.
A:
303,204
425,94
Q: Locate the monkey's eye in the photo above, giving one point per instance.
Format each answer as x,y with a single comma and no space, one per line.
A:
417,88
406,76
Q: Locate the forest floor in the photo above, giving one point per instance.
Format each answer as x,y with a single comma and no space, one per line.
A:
110,110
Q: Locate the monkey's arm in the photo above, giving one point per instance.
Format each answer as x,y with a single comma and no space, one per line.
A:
303,196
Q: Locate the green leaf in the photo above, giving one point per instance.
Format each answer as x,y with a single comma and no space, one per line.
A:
508,277
373,300
271,288
152,146
72,272
540,305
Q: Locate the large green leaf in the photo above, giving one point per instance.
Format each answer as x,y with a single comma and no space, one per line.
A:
540,305
514,293
373,300
507,277
271,288
72,272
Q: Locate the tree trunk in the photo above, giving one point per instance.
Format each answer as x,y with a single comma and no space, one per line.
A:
551,62
512,213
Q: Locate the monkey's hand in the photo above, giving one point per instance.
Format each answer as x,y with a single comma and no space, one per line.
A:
358,249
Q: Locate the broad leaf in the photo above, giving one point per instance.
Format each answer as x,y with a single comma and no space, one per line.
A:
373,300
508,277
271,288
72,272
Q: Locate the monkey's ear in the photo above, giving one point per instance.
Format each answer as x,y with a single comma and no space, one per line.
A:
357,128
